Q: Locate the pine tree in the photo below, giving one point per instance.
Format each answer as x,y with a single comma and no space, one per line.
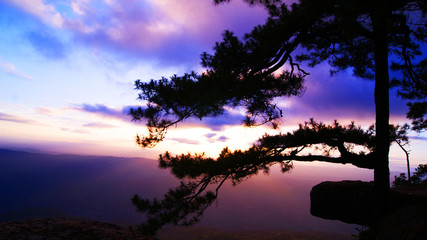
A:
362,35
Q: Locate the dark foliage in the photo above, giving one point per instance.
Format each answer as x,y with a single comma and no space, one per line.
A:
417,112
419,178
183,205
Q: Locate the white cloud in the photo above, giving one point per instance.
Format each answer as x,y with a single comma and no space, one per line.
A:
81,131
98,125
45,111
46,12
79,6
11,69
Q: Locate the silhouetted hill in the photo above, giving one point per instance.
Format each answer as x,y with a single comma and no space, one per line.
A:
31,213
33,184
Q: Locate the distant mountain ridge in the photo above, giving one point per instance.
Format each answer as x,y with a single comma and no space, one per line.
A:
59,185
31,213
35,185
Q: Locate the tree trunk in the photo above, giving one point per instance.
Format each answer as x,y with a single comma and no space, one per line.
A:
382,111
407,160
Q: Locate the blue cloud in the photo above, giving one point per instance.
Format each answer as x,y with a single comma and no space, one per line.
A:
223,139
100,109
211,137
9,13
218,123
47,44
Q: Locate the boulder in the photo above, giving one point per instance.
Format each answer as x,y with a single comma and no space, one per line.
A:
353,201
347,201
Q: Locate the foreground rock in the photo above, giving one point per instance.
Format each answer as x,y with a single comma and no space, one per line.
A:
65,228
352,202
347,201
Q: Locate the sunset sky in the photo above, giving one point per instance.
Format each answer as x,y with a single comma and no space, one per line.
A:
67,70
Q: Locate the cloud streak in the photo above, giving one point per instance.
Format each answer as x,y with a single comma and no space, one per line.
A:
12,70
218,123
185,140
419,138
105,111
16,119
98,125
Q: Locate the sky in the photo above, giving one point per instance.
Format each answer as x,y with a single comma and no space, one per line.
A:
67,72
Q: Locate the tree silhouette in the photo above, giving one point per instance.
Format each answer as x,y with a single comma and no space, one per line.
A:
402,140
358,34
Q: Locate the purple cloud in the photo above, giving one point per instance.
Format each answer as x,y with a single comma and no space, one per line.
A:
210,135
16,119
339,97
218,123
169,31
223,139
105,111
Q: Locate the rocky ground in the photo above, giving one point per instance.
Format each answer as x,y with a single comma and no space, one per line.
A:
83,229
65,228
